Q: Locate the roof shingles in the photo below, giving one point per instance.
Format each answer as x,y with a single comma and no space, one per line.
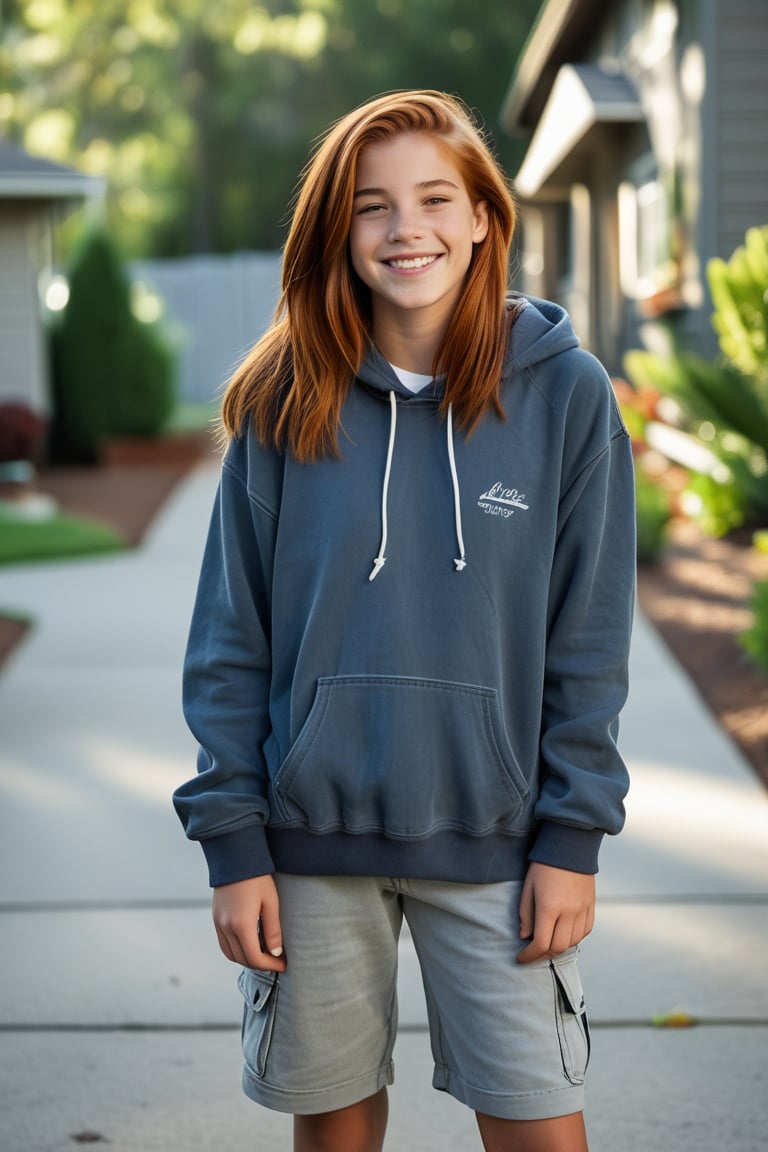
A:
23,176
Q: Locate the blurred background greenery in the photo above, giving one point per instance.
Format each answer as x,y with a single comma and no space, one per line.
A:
200,115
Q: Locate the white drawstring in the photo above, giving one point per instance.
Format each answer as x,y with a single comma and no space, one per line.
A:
461,561
381,559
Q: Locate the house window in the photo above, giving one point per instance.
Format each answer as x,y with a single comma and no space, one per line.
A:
649,256
628,256
652,232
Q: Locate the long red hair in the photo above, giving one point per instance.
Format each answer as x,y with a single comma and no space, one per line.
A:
293,382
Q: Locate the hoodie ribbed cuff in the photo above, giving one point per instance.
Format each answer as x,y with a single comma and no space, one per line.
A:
239,855
563,846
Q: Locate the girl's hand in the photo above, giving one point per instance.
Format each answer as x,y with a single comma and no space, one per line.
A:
557,910
246,915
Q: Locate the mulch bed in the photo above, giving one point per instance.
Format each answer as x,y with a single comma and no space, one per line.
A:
11,632
697,597
123,496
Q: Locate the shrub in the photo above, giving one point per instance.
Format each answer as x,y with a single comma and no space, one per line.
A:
739,288
113,375
725,404
144,407
718,506
653,515
755,639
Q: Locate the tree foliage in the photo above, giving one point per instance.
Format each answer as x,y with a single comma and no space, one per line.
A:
201,115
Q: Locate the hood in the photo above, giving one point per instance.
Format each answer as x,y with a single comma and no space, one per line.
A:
540,331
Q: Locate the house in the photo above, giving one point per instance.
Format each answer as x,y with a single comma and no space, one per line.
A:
32,192
647,156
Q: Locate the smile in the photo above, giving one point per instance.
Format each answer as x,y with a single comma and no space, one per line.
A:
413,262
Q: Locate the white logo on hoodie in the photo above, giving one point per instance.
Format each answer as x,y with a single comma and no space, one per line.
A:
501,501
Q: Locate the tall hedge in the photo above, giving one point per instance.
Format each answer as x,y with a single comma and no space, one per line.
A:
113,375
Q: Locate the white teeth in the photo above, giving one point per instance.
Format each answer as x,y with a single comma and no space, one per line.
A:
416,262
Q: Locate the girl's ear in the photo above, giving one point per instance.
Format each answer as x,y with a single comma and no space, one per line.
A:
480,221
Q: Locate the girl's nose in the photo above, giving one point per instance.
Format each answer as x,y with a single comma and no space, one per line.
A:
404,227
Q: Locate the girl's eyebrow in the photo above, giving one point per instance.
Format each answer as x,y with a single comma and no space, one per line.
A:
423,186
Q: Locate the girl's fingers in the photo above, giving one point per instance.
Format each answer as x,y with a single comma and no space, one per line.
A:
247,923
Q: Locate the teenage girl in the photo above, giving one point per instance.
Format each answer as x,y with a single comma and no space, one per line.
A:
409,649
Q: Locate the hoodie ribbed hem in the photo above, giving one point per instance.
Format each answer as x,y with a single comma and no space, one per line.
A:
444,856
256,851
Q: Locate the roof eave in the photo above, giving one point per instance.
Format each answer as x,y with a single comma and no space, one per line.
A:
542,54
580,102
28,186
532,60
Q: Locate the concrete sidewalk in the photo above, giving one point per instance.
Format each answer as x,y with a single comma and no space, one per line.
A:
118,1016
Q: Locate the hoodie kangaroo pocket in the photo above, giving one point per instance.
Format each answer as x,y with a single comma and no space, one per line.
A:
401,755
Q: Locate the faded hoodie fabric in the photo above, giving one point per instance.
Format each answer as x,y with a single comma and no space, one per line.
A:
451,711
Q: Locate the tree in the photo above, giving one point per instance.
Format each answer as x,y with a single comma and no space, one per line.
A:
201,115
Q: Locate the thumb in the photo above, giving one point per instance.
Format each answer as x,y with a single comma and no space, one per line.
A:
526,910
271,932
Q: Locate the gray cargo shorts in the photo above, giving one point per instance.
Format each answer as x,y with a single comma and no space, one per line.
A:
508,1040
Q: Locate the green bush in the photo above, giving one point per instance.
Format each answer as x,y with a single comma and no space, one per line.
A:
725,404
144,408
113,375
721,504
755,639
739,290
653,514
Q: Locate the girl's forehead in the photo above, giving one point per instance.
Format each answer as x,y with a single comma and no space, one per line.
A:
409,154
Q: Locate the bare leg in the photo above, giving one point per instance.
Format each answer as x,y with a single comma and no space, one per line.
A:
359,1128
561,1134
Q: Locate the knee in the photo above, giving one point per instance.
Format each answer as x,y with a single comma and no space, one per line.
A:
359,1128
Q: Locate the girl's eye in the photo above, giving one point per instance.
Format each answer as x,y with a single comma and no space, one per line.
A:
437,200
367,209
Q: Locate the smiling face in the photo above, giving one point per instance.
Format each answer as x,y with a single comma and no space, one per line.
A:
412,232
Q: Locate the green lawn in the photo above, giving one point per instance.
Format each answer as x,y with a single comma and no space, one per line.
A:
58,537
187,417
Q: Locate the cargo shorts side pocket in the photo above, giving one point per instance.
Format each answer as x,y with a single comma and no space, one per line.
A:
571,1017
259,991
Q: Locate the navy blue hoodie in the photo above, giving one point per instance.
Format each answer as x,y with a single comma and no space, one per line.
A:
455,716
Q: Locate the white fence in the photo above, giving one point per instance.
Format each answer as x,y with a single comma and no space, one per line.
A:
217,307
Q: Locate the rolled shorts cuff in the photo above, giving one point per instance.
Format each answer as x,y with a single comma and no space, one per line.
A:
327,1099
521,1106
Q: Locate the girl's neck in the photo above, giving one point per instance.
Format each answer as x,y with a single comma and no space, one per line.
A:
412,346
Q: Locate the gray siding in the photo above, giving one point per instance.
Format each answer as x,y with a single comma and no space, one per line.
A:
22,362
742,120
